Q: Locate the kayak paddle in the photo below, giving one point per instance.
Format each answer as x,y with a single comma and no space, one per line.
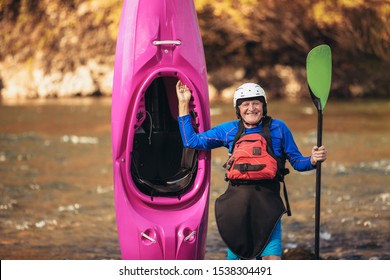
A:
319,76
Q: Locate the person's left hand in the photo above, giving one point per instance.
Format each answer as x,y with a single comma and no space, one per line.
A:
318,154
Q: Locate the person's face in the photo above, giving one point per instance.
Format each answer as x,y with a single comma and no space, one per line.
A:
251,112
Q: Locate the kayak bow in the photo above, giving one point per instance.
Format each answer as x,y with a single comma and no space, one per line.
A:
161,190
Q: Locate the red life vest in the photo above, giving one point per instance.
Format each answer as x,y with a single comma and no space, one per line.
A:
250,160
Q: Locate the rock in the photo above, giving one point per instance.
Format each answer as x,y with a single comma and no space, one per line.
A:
23,83
102,75
227,94
16,80
213,93
298,254
293,79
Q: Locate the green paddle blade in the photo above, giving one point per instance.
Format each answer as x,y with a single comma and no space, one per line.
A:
319,74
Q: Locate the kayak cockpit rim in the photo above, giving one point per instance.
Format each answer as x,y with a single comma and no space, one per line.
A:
138,116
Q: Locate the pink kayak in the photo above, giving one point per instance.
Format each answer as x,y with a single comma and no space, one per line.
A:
161,189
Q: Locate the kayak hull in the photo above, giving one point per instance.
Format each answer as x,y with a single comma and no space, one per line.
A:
158,43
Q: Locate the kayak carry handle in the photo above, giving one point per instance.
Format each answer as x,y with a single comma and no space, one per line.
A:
144,235
190,235
167,42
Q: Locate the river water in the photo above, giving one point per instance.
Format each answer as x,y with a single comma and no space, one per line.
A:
57,192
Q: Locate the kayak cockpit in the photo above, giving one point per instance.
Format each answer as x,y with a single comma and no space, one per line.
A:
160,166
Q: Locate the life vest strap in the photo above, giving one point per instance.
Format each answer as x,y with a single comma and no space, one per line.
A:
243,167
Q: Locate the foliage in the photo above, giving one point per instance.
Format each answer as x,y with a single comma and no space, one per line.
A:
354,25
258,33
67,32
240,34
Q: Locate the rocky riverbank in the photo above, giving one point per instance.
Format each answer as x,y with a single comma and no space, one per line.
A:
58,48
66,48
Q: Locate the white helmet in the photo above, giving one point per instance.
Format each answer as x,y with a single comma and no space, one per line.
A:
248,90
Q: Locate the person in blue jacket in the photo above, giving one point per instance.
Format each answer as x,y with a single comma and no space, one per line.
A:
235,206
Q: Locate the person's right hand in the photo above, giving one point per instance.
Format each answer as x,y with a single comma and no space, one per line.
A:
183,93
184,97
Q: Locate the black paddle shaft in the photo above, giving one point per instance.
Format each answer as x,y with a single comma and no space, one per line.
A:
318,188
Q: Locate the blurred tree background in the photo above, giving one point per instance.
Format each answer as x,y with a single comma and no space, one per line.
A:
265,41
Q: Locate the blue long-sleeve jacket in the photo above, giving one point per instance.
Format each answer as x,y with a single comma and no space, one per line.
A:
223,135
